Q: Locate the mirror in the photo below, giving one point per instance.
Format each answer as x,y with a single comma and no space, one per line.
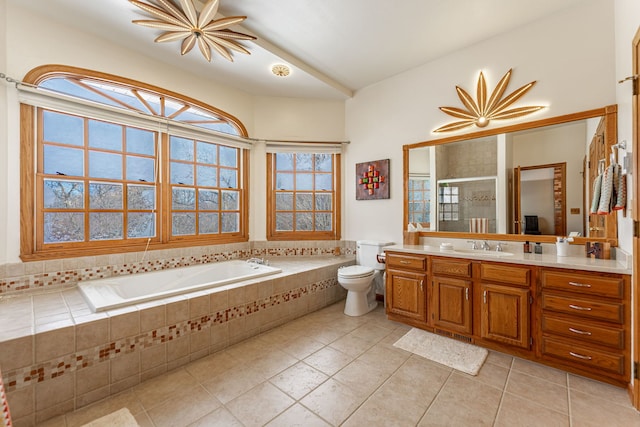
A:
531,181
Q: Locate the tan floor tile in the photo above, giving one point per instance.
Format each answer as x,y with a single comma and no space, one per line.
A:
273,362
500,359
332,401
298,416
126,399
463,402
490,374
159,389
371,332
599,389
384,357
361,377
211,366
259,405
541,371
324,333
592,410
298,380
352,345
185,407
221,417
234,382
521,412
328,360
543,392
301,347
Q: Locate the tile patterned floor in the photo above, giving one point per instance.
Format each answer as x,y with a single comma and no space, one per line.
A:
328,369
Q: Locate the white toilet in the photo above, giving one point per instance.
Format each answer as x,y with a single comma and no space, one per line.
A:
359,279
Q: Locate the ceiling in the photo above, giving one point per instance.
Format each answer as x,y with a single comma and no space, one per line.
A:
334,47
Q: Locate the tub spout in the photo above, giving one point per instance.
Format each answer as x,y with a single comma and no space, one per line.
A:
257,261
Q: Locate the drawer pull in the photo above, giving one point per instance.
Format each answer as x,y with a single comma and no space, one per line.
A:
578,331
421,288
577,307
580,356
403,261
466,294
580,285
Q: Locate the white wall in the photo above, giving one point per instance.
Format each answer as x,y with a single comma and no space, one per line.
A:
29,40
627,23
570,55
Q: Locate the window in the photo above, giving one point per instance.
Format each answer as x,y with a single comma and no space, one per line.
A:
303,198
110,182
449,203
420,200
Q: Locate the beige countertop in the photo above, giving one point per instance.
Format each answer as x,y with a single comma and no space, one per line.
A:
518,257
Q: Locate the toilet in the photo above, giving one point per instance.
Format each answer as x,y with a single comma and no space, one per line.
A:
359,279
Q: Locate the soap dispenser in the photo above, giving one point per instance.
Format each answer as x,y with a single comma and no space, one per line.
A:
526,247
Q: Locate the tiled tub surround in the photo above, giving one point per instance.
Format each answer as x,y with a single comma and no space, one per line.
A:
56,355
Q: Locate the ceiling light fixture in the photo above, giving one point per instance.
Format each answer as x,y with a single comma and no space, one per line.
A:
281,70
482,111
184,23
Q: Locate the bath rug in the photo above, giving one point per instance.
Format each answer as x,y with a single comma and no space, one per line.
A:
120,418
458,355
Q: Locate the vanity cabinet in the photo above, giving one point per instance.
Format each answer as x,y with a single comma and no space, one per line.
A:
406,287
451,294
506,301
585,321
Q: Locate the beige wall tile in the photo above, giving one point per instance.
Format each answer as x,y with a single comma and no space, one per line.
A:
177,311
55,391
22,402
92,377
153,356
152,318
54,343
219,301
177,348
125,366
16,353
200,340
93,396
124,325
199,306
92,334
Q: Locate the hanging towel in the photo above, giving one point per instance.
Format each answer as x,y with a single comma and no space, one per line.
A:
621,196
606,191
595,201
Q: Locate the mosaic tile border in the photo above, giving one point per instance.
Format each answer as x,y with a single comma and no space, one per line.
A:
55,368
66,278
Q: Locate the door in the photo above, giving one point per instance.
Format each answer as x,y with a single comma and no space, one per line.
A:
517,208
636,216
406,294
451,307
597,163
505,315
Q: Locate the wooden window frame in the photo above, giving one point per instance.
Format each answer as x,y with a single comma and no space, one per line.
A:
31,247
274,235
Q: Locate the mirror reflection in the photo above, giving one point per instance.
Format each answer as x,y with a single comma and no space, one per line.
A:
533,181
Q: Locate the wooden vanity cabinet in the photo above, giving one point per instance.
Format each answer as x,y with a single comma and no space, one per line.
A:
505,312
406,288
451,294
585,320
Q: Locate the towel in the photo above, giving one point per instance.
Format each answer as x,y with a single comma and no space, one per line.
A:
606,191
479,225
621,194
595,201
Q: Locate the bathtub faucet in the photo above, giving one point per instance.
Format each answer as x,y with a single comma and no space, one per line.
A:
257,261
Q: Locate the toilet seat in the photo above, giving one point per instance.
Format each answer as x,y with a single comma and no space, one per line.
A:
355,272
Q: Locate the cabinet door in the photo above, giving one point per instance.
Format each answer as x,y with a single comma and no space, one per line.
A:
451,304
406,295
505,315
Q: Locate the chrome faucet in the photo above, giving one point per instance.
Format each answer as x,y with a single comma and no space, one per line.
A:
474,244
485,246
257,261
499,247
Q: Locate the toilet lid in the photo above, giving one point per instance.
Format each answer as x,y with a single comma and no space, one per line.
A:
355,271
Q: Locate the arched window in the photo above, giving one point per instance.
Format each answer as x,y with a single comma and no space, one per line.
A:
113,165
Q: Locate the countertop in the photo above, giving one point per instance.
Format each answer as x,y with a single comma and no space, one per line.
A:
541,260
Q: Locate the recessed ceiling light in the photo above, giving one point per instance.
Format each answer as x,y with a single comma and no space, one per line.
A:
281,70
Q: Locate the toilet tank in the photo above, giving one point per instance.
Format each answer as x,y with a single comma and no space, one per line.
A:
366,251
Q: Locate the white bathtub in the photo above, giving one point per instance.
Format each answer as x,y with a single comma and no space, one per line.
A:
121,291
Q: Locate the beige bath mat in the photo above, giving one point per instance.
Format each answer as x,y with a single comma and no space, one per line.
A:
458,355
120,418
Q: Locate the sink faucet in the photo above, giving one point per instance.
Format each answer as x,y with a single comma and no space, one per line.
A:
499,247
485,246
474,244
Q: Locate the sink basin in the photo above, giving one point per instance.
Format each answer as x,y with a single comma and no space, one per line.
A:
492,254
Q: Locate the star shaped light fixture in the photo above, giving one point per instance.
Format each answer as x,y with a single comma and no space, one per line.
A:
482,111
184,23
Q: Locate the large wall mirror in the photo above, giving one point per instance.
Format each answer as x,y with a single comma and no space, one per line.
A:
531,181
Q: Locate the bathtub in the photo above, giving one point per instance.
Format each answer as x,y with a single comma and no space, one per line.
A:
121,291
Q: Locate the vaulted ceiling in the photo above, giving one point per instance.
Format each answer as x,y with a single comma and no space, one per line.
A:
334,47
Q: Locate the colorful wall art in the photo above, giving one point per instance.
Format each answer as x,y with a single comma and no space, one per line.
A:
372,180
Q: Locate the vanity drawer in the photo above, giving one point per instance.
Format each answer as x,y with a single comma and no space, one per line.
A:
584,331
583,307
511,274
586,284
450,267
404,261
584,355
